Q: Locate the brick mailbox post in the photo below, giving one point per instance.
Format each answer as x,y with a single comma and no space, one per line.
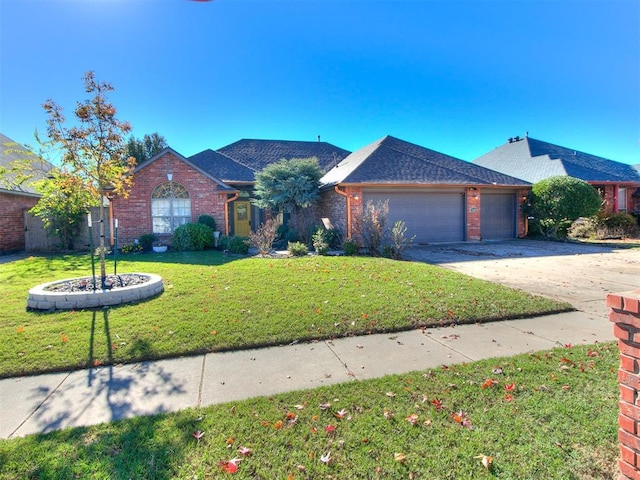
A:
625,315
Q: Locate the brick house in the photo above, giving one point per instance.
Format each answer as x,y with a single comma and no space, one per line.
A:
440,198
534,160
16,200
170,190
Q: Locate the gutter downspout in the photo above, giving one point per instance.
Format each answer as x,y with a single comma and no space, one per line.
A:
344,194
226,212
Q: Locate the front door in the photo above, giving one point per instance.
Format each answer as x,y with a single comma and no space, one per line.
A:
241,218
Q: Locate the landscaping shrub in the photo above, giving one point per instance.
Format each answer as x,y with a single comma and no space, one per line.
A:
616,225
146,241
399,239
131,248
374,232
319,240
603,226
192,236
297,249
333,237
207,220
236,245
350,247
264,236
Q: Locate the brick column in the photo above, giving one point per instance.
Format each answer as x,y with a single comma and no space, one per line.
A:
625,315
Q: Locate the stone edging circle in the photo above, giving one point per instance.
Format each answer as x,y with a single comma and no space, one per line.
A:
42,299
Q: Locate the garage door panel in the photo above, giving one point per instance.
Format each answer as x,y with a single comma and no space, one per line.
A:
431,217
498,216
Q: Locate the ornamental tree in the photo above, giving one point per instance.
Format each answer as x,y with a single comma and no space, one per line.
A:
557,201
94,150
146,147
288,185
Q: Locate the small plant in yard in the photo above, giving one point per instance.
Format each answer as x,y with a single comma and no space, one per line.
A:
350,247
524,417
399,239
264,236
147,241
236,245
374,229
131,248
319,240
297,249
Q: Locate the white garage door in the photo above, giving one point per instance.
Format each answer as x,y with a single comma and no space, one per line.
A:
430,216
497,215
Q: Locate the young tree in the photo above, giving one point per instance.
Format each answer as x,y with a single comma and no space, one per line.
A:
288,184
145,148
94,151
558,201
63,205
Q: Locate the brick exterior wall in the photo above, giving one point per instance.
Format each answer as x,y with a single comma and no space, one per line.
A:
134,212
473,205
625,315
12,209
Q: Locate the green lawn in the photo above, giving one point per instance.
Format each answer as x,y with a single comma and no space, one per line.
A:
212,302
549,415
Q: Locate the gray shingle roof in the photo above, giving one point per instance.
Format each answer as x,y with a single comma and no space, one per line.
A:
222,167
257,154
535,160
390,161
11,151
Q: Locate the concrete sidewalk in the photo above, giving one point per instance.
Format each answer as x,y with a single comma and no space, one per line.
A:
49,402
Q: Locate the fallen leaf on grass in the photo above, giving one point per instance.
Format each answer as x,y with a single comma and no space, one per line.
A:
399,457
326,458
230,466
244,451
486,460
412,419
198,435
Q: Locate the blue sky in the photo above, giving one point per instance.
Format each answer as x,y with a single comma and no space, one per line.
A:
459,77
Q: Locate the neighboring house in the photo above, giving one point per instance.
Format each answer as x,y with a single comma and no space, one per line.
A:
16,197
440,198
534,160
170,190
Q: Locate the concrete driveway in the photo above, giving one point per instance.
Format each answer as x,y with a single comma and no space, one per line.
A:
580,274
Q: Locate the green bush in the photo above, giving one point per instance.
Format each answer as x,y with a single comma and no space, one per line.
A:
558,201
297,249
617,225
235,245
131,248
207,220
333,238
350,247
146,241
192,236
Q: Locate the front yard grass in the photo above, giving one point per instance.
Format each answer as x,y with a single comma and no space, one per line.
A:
546,415
212,302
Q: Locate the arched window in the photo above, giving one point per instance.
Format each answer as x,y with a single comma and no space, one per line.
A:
170,207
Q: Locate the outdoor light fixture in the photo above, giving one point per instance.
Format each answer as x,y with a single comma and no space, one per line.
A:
169,176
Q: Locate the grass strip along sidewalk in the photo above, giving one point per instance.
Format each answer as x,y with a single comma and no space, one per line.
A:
551,414
212,303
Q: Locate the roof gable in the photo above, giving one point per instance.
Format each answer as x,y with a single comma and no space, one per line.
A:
535,160
391,161
10,152
257,154
195,166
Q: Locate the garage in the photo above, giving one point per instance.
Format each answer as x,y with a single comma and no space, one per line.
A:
497,215
432,216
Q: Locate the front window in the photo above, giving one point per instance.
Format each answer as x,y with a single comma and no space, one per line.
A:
170,207
622,199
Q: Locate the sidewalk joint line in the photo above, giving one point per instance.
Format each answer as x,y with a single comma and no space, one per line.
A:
201,383
53,390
